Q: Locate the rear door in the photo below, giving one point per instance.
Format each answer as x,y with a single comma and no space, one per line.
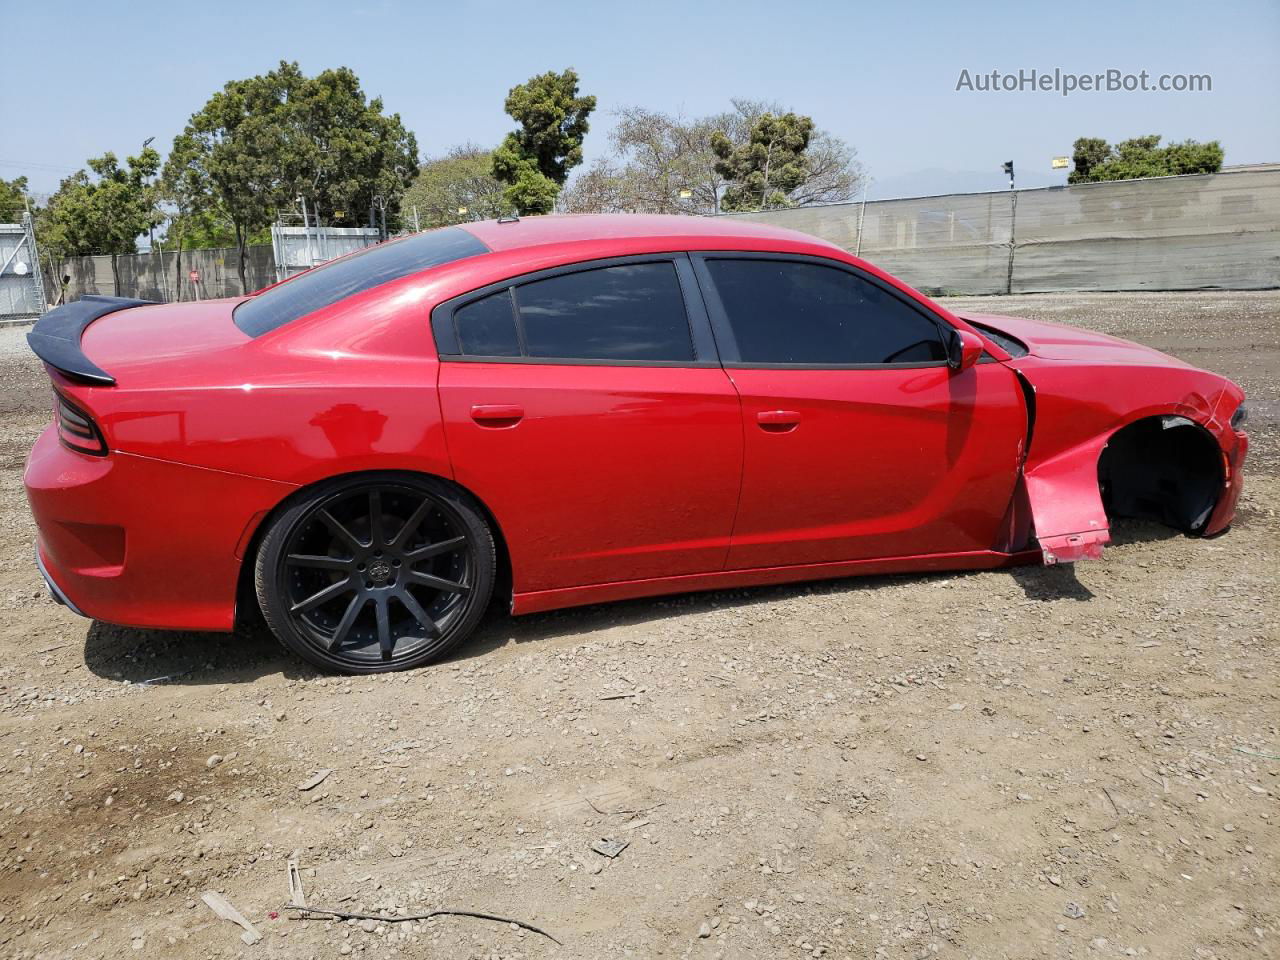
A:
860,441
587,408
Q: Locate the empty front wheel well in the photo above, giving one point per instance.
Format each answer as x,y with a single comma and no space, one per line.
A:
246,597
1166,468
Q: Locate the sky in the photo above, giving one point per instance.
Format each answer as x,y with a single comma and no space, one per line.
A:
84,78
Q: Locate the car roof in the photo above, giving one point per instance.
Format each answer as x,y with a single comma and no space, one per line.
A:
692,231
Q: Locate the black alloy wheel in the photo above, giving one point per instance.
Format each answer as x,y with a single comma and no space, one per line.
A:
376,573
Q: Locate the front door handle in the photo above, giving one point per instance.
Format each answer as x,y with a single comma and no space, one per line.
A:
497,414
778,421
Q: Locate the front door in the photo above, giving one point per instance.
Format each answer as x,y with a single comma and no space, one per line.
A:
860,441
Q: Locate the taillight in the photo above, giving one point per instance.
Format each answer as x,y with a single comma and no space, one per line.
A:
76,428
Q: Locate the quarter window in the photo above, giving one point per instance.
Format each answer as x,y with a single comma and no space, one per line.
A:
785,311
487,327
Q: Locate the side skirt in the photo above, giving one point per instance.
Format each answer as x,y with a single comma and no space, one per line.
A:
537,601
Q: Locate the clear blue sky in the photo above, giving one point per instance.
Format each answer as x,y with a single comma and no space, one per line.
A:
83,78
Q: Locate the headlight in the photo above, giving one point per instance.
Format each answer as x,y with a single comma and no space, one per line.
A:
1240,417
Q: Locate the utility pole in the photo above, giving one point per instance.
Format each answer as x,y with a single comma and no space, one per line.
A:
862,212
1013,223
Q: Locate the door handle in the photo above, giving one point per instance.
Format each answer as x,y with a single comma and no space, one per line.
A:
778,421
497,414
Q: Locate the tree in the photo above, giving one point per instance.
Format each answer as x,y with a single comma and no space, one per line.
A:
260,144
13,199
461,179
105,213
765,169
1096,160
534,161
665,164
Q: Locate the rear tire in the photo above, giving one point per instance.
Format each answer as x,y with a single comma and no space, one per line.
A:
376,573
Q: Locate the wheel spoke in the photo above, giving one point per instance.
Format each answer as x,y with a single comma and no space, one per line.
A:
322,563
414,607
435,549
412,524
384,627
437,583
344,625
375,518
341,532
328,593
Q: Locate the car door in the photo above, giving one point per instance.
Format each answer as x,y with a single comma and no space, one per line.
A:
587,408
860,441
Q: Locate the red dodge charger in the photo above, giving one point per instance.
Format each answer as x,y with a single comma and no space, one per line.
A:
579,409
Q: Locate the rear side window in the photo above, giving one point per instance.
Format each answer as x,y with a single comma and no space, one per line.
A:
628,312
794,312
625,312
339,279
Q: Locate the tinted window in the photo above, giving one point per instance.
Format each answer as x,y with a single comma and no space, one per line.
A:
487,328
327,284
627,312
795,312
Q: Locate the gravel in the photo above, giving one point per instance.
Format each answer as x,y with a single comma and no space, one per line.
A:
1082,734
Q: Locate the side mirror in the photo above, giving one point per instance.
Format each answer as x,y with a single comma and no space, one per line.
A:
964,350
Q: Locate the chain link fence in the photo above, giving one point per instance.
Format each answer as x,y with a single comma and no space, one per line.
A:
1171,233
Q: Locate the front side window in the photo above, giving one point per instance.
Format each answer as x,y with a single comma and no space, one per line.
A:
786,311
626,312
327,284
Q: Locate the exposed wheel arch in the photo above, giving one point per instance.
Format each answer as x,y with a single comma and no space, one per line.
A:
1164,468
246,598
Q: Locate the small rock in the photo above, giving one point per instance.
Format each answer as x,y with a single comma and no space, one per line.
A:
213,761
921,757
177,796
1074,911
1229,827
368,926
704,931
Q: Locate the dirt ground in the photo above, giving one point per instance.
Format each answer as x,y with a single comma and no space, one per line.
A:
1048,762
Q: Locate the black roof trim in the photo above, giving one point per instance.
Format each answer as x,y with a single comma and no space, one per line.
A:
56,336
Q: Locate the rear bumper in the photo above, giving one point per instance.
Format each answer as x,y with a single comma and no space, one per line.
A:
142,542
54,589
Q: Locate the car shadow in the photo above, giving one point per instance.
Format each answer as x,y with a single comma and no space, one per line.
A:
188,657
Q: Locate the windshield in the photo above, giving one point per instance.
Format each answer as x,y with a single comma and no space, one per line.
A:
339,279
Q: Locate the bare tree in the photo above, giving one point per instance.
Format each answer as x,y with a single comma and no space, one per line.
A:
660,163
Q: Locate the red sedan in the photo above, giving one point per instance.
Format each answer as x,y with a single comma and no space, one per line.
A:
567,410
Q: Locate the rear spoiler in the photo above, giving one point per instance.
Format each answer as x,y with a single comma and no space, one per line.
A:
56,336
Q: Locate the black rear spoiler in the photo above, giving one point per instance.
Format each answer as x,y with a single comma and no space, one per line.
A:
56,336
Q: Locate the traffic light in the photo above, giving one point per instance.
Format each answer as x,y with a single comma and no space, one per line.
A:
1008,169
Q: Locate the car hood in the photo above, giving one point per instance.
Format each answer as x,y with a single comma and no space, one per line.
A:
1058,341
162,343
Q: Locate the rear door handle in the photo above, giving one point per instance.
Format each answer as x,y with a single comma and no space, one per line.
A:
497,414
778,421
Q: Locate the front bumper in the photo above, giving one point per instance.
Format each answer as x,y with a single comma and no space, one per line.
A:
142,542
1235,447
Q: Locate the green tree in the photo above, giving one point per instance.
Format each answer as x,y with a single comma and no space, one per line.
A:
261,144
1095,160
105,213
462,179
13,199
763,171
534,161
